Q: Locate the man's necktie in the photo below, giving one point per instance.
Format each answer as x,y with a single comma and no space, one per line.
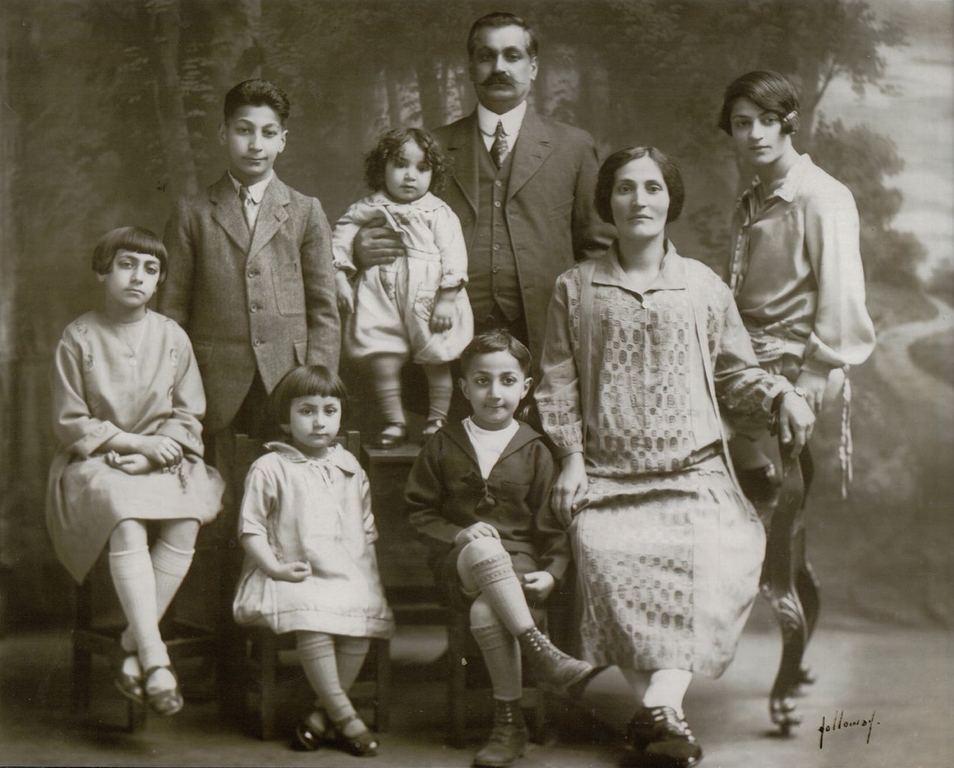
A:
247,204
499,149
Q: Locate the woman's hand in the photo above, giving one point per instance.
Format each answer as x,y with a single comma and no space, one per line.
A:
475,531
442,316
162,451
813,385
295,572
376,243
796,421
538,585
570,487
345,293
131,463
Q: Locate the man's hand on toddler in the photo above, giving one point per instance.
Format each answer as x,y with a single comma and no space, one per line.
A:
297,571
474,532
376,243
538,585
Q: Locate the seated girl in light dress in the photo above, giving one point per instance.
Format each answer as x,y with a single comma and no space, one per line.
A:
310,565
415,306
127,405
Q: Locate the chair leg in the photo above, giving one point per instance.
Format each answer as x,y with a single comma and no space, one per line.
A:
82,672
456,691
268,648
382,676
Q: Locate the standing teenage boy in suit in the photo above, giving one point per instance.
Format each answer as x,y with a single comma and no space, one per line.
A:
250,275
522,187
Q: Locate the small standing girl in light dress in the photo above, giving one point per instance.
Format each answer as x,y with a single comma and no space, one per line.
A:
310,565
127,405
415,306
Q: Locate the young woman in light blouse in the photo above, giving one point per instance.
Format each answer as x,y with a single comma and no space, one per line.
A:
796,268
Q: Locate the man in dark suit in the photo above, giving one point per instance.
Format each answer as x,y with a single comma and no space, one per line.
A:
522,187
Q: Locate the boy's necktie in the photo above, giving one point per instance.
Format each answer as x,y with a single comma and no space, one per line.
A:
247,204
499,149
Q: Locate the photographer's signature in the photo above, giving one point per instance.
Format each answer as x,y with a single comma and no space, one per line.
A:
839,723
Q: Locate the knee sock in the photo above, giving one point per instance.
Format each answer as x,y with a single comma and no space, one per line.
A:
170,566
316,651
502,656
386,372
440,386
135,585
500,586
667,688
350,653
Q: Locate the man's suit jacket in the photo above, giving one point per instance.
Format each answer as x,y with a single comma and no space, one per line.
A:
549,207
266,304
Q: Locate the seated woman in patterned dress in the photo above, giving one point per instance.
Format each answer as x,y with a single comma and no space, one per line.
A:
643,348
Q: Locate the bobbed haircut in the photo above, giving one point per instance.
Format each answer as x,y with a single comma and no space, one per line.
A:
136,239
495,340
391,145
257,93
499,20
305,381
769,91
606,180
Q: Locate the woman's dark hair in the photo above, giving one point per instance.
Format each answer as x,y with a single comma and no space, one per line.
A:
305,381
391,146
769,91
496,340
257,93
135,239
606,180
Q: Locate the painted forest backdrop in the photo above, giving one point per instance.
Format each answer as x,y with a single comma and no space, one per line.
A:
111,109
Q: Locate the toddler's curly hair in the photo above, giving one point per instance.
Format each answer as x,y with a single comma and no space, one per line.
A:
389,146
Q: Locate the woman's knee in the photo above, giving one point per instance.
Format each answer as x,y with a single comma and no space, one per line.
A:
180,534
128,534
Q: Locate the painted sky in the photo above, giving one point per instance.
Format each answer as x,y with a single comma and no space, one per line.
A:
920,120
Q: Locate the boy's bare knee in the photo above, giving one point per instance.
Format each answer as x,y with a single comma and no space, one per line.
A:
479,549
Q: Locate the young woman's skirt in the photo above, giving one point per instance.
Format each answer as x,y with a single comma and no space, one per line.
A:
668,569
87,498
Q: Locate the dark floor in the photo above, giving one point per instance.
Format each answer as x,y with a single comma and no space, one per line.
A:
901,675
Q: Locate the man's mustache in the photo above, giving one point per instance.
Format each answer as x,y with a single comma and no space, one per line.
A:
498,78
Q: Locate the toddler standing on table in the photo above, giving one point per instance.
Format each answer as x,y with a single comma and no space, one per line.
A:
310,565
415,306
479,495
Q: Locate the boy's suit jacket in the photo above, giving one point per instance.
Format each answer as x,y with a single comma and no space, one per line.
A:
549,206
266,304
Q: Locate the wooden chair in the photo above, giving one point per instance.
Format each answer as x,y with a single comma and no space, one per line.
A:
96,632
790,586
263,648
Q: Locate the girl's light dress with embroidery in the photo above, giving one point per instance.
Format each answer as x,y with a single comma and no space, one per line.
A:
316,510
102,387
